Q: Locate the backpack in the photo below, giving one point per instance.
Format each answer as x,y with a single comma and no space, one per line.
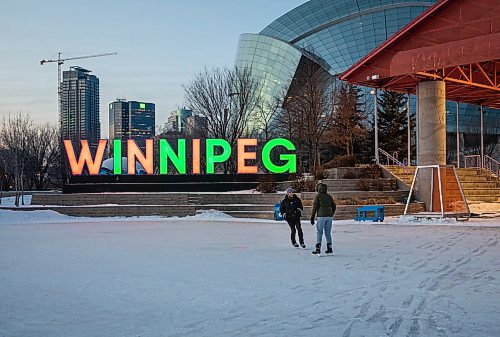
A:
277,215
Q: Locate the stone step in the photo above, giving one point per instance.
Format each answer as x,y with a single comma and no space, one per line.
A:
476,179
362,195
483,198
344,212
478,185
249,211
486,192
357,184
154,198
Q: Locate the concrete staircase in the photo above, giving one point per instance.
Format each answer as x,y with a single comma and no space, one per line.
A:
249,205
478,185
403,173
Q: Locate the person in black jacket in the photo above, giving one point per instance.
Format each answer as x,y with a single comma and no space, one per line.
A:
291,208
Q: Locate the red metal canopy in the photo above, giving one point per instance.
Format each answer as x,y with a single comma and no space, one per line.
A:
456,41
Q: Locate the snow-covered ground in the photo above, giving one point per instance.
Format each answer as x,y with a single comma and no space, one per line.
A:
211,275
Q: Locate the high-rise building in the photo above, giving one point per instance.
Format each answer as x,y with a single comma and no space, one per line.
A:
196,126
80,107
177,120
131,120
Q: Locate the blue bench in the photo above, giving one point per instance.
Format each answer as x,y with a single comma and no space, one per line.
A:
378,213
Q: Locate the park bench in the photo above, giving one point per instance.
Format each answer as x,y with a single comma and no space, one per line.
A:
377,210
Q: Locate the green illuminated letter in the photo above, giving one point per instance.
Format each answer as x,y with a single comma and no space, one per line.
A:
291,159
117,156
179,159
212,158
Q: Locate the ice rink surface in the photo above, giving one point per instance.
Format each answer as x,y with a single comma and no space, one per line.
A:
230,277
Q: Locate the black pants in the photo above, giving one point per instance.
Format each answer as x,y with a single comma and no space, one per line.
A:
295,227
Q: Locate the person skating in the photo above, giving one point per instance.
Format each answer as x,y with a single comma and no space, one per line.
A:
325,207
291,208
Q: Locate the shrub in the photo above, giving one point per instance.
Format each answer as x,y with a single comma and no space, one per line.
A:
371,201
267,184
378,185
310,185
307,203
341,161
320,173
297,182
372,172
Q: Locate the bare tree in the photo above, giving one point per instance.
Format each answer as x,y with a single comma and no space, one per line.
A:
14,139
43,144
268,118
309,109
226,98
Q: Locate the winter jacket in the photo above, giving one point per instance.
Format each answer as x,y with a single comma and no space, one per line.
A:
323,203
291,207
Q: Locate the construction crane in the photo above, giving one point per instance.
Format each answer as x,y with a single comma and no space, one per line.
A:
60,61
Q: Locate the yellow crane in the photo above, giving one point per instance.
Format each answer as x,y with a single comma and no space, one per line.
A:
60,61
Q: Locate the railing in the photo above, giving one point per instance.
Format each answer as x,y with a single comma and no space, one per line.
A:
392,160
473,161
492,165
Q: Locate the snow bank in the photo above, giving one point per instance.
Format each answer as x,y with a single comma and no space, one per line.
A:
8,217
10,201
485,207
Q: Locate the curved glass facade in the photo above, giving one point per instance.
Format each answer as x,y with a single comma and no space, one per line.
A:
273,62
336,34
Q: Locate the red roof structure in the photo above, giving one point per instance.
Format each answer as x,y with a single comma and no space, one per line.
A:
456,41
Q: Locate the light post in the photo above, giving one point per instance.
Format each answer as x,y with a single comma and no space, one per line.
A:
458,136
1,189
409,129
374,93
38,179
482,137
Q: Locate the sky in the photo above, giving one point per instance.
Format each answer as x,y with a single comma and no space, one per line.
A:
161,45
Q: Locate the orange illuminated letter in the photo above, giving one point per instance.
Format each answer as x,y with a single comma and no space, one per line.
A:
85,157
133,153
196,156
243,155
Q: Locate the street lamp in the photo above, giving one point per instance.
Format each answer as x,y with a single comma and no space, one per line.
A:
482,136
408,129
374,93
1,187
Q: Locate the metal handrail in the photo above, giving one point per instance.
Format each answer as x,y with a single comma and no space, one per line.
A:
392,160
492,165
473,161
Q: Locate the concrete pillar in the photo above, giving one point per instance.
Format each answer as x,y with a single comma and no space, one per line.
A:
431,133
432,123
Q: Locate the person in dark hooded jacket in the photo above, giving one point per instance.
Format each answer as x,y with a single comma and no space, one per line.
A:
291,208
325,207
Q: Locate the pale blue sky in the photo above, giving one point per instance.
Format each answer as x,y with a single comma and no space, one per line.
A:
160,46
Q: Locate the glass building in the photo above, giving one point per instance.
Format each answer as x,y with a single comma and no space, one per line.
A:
80,107
131,120
335,34
178,120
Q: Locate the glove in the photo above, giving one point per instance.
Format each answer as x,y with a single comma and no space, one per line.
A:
312,222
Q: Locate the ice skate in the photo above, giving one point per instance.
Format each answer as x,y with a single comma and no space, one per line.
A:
317,252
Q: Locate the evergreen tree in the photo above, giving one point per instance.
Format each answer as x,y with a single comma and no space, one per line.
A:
393,123
348,128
